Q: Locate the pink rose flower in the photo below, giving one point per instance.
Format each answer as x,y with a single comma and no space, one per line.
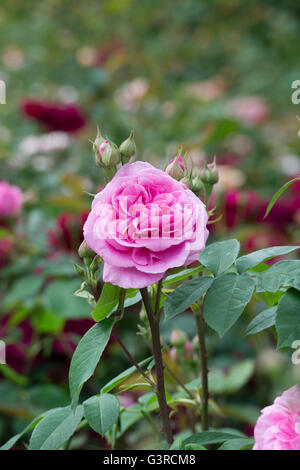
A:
142,224
11,199
278,427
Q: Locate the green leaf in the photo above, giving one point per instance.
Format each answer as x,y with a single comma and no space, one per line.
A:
219,256
133,296
13,375
87,355
107,303
13,440
278,194
182,274
209,437
55,428
123,376
288,318
238,376
269,298
102,412
185,295
194,447
22,290
257,257
130,416
47,322
226,299
262,321
224,383
59,299
238,444
284,273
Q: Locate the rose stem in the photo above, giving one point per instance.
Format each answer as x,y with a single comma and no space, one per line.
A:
198,313
156,347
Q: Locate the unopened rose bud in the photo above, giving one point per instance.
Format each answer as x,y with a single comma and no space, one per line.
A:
107,154
128,148
187,180
85,251
173,354
178,338
79,270
94,265
176,168
197,183
188,349
209,174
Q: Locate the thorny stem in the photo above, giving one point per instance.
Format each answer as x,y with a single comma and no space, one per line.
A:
198,313
156,347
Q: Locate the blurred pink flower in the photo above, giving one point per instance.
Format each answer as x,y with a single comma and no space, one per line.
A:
126,400
11,199
54,116
251,110
278,427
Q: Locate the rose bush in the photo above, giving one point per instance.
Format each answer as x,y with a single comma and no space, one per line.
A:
278,427
142,224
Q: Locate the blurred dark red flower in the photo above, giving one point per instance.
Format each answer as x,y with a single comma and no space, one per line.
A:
242,206
67,233
16,351
54,116
249,207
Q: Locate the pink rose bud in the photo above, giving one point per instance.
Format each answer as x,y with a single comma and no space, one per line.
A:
84,251
178,338
107,154
173,354
176,168
188,349
11,199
